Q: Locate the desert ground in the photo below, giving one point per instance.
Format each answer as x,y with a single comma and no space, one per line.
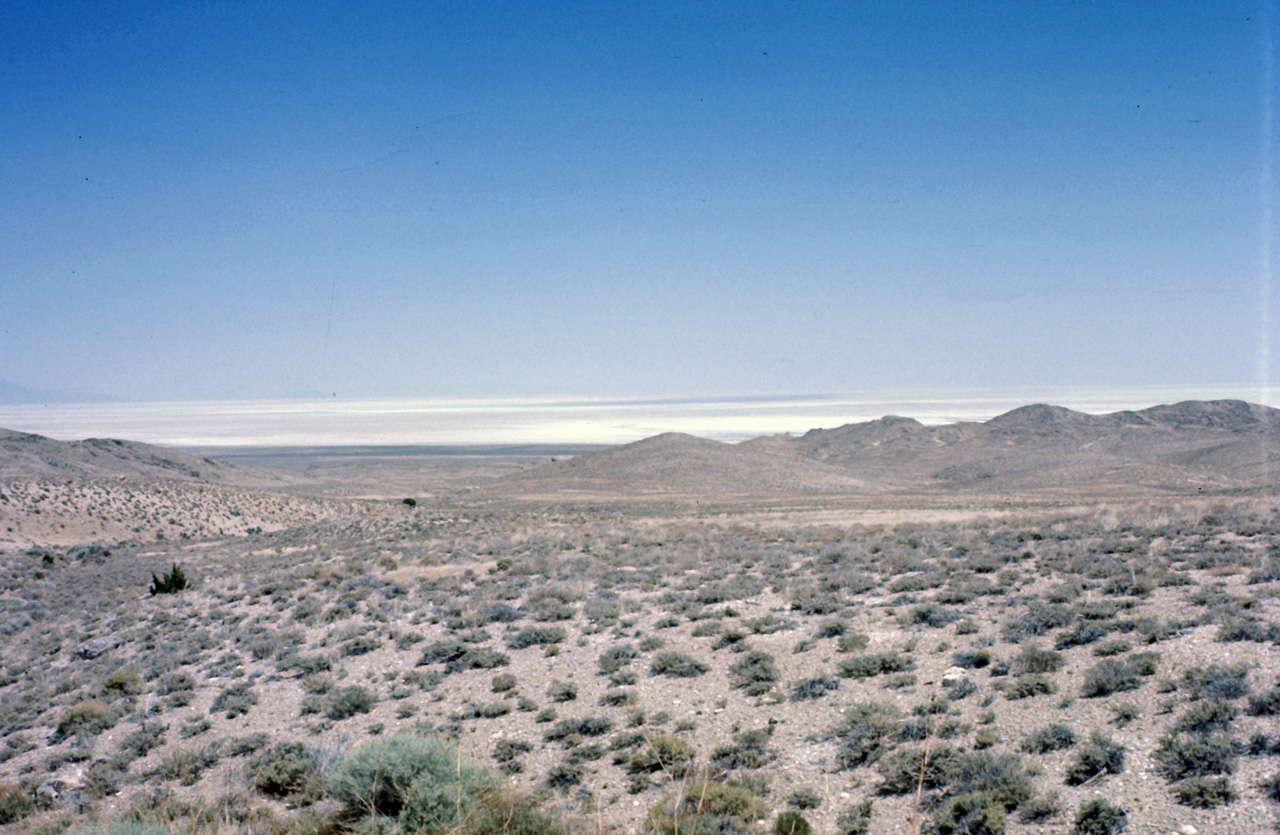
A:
1049,622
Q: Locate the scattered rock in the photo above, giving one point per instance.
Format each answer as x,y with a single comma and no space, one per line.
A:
952,675
97,646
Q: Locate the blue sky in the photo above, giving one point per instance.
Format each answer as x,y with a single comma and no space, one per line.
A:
228,200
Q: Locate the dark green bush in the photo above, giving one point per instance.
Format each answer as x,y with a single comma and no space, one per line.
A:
16,803
668,754
1098,817
587,726
1267,704
1112,675
1052,738
755,673
617,657
1036,660
1025,687
1179,757
706,807
677,665
866,733
1206,717
1204,792
855,820
171,583
562,691
235,700
813,688
536,636
791,823
287,771
970,814
345,702
750,749
1216,683
1100,754
874,664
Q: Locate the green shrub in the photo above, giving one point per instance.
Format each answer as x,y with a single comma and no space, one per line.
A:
667,754
587,726
120,827
750,749
874,664
1098,817
1216,683
1179,757
1204,792
345,702
287,771
813,688
1052,738
866,733
1206,717
503,683
171,583
122,681
235,700
565,775
536,636
421,783
15,803
856,820
87,717
1025,687
616,657
791,823
677,665
562,691
1036,660
1100,754
1040,808
755,673
707,806
505,813
507,750
971,814
1112,675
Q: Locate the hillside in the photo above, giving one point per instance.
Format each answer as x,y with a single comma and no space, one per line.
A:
1218,446
24,454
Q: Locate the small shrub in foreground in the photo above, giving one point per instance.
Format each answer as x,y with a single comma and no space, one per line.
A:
791,823
1098,817
420,783
1204,792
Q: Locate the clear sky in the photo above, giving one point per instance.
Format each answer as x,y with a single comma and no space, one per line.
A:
238,200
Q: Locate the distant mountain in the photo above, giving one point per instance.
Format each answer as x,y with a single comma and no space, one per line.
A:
12,394
1219,446
677,463
23,454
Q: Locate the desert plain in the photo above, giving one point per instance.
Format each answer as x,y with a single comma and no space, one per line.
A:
1047,622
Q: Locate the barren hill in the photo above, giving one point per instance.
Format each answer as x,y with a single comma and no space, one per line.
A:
24,454
1218,446
675,463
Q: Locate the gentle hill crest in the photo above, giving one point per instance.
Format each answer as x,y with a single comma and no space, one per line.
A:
26,454
1224,445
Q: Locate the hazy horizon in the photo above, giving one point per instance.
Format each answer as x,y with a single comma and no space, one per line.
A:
542,420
